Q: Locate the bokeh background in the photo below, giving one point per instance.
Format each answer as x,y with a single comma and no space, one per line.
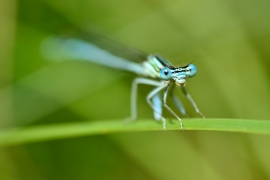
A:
229,42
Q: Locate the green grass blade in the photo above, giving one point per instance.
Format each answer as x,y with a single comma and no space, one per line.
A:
69,130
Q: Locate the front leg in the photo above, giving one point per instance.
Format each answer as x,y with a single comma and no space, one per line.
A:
134,90
169,109
192,101
177,102
150,96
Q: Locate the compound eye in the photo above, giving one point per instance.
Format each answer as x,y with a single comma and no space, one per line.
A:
165,73
192,69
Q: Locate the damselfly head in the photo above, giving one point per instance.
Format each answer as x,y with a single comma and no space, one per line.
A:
178,74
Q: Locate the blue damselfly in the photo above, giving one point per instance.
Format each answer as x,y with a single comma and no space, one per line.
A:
155,70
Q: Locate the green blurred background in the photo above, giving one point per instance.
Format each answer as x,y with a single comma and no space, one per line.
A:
228,41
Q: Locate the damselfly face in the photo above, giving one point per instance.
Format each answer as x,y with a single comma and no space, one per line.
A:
179,74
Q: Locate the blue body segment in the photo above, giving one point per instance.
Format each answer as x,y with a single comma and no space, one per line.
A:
157,103
55,48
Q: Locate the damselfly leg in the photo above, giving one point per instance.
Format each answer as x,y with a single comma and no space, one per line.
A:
153,94
177,102
191,101
150,96
169,109
152,99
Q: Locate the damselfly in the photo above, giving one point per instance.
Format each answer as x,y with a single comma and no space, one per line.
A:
156,71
